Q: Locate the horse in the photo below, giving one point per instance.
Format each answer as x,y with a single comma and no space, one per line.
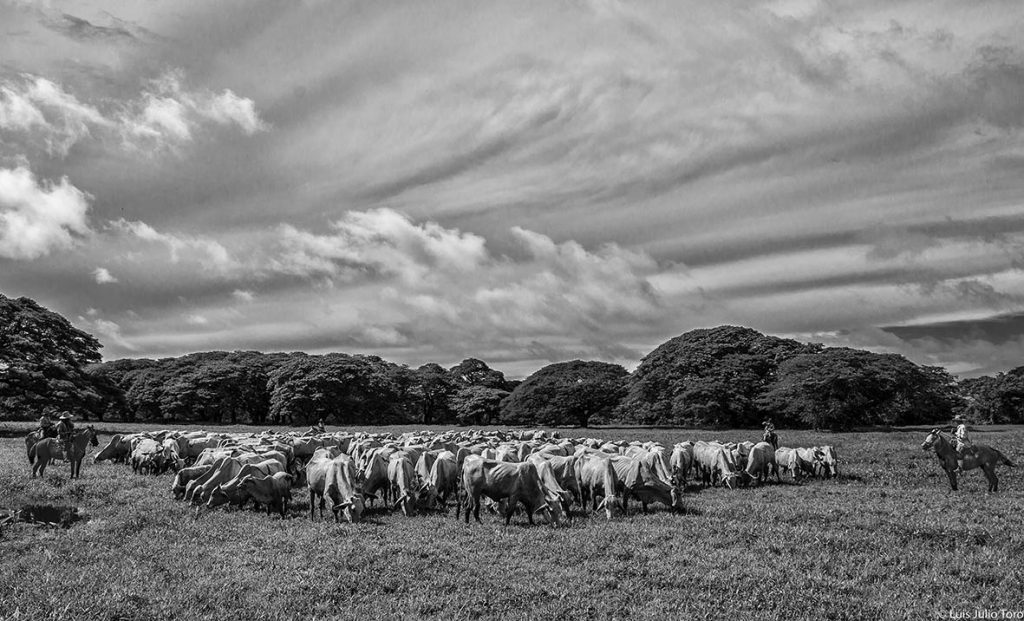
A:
36,436
985,457
46,449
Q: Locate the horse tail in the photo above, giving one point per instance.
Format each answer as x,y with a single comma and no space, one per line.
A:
32,453
1005,459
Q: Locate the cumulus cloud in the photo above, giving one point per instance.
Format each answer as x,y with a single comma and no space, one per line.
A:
103,276
36,216
169,114
243,295
165,115
42,107
109,332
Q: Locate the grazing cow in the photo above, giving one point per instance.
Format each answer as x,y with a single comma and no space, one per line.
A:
171,457
194,447
638,479
518,482
223,470
565,469
229,491
273,491
598,478
760,462
681,461
183,476
559,499
714,464
828,466
334,479
117,449
374,474
147,456
442,481
798,462
402,482
810,459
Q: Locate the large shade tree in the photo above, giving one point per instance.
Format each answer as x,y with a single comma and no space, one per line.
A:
566,393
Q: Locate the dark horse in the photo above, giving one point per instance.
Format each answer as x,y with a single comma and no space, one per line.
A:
46,449
36,436
985,457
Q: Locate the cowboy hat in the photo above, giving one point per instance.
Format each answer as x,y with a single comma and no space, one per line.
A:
65,416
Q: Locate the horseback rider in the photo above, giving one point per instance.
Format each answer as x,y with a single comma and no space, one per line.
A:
65,432
769,434
319,426
962,441
46,427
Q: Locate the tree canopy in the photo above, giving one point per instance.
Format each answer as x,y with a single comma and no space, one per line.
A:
566,393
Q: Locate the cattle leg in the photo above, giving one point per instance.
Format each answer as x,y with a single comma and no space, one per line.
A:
312,507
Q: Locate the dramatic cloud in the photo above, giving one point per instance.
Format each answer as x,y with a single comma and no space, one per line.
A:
38,217
524,183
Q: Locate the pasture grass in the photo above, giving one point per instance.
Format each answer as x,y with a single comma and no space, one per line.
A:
884,540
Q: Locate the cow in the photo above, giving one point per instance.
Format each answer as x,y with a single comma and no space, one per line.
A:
517,482
565,469
228,492
273,491
810,460
681,461
117,449
374,474
442,481
402,482
171,456
760,462
223,470
798,462
147,456
828,466
183,476
559,499
714,464
639,479
335,480
598,478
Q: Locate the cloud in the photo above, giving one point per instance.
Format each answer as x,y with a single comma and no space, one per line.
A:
38,217
165,116
109,332
33,104
103,276
211,254
168,114
380,241
243,296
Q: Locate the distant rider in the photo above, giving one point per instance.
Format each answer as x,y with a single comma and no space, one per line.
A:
46,427
319,426
962,442
769,434
66,432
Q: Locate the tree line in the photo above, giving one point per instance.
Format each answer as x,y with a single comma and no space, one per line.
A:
726,376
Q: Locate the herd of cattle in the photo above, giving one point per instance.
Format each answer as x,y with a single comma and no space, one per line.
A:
425,471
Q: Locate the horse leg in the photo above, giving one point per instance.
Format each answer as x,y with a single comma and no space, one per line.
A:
990,474
951,474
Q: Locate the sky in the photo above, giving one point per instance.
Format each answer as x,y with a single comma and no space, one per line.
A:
523,182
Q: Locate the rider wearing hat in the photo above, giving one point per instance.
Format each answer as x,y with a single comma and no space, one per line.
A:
45,425
65,431
962,440
769,433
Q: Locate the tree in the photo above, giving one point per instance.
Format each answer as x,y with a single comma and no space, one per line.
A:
478,405
435,387
473,372
41,364
995,399
839,388
711,376
566,393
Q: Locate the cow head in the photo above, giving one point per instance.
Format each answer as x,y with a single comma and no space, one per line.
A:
352,509
730,480
611,504
677,498
218,497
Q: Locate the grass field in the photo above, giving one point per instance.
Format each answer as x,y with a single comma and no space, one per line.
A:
885,540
